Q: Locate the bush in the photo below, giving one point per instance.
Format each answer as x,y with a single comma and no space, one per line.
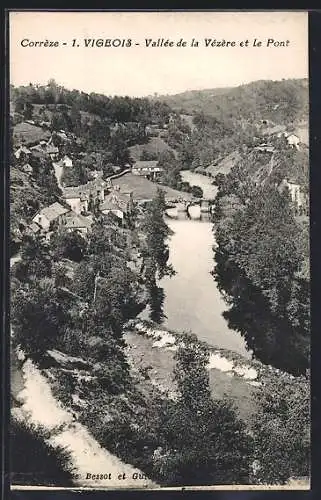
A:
282,431
34,462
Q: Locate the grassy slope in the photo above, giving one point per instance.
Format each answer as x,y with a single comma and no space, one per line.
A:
143,189
193,100
29,134
155,145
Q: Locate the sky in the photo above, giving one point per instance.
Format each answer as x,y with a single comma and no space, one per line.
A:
139,70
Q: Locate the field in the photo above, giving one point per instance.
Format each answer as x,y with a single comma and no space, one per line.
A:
155,145
29,134
144,190
302,131
223,165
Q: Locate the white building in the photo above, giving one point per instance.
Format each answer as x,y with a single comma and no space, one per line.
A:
293,140
297,196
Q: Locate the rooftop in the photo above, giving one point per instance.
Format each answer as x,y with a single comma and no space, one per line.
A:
109,205
84,189
54,211
115,200
35,228
78,221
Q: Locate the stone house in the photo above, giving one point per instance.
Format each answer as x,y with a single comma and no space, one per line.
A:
22,153
293,140
79,198
117,203
147,168
298,197
55,213
79,223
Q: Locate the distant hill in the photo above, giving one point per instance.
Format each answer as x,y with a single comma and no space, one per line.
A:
192,100
282,101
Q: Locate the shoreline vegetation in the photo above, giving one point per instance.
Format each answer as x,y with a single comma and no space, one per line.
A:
63,429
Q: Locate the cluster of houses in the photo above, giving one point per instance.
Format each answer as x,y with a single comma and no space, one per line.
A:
74,211
279,131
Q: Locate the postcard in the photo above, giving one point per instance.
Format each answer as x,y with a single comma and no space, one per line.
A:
159,250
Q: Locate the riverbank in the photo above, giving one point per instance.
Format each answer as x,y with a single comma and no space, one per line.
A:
151,349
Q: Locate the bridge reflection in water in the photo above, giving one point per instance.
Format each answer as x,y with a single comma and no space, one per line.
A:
195,211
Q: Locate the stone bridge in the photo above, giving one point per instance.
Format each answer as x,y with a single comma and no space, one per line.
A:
183,205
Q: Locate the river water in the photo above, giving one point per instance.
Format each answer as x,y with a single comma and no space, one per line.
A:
193,301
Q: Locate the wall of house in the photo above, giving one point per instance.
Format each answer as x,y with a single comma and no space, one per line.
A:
42,221
116,212
82,230
75,204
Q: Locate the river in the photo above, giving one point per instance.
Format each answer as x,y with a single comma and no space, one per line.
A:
193,301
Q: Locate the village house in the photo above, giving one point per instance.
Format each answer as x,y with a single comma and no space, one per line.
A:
34,228
27,168
62,135
48,215
22,152
264,148
52,151
78,222
43,148
64,162
67,161
117,203
298,197
95,174
147,168
153,130
111,206
293,140
78,198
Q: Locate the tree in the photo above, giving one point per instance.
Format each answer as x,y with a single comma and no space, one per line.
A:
203,441
75,118
157,232
171,169
258,259
28,111
70,245
282,431
197,191
35,261
34,461
38,317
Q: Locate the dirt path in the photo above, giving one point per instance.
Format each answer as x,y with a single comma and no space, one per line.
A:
58,173
93,465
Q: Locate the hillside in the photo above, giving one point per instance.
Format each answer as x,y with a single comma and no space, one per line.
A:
192,100
29,134
134,393
279,101
155,146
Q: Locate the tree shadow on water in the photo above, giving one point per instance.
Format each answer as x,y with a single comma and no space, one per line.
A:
157,297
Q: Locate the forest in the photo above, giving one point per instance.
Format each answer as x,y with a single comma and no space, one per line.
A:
262,260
